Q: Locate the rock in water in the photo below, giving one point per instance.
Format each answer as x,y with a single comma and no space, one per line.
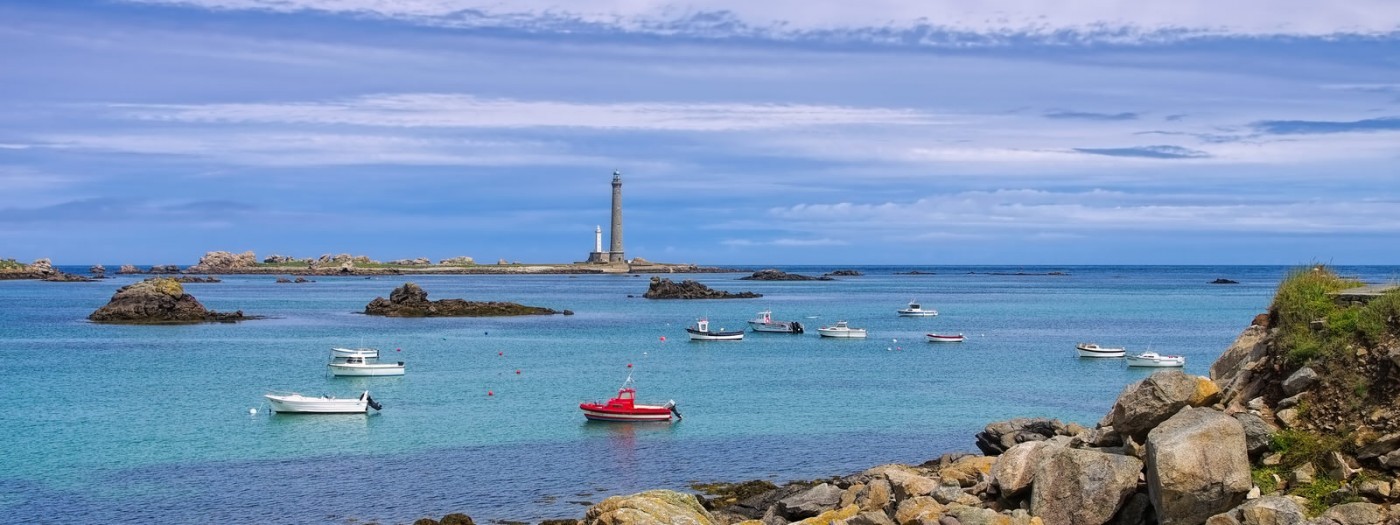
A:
158,301
410,300
1197,466
779,275
653,507
688,289
1082,487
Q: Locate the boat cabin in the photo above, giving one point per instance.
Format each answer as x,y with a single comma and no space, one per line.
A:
626,398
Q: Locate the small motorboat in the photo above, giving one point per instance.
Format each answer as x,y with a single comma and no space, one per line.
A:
361,362
915,310
841,330
298,404
624,408
945,338
1153,359
1094,350
700,331
764,323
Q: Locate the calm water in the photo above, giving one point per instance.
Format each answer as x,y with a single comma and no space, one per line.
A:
151,424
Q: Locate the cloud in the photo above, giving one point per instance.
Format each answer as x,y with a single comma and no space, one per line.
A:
952,23
784,242
1147,152
1085,115
439,110
1316,127
110,209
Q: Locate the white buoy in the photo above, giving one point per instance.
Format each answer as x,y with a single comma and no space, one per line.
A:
252,411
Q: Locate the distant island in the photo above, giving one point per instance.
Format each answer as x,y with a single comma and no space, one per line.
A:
247,263
410,300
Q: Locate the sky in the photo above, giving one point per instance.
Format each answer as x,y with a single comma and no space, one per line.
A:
1013,132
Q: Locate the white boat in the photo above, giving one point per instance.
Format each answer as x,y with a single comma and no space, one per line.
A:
299,404
945,338
914,310
841,330
1153,359
1094,350
764,323
700,331
361,362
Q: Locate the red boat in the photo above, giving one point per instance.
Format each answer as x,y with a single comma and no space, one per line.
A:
623,408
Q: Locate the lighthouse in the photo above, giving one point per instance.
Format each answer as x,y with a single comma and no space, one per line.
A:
615,237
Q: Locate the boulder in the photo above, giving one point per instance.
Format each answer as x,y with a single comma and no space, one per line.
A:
1144,404
158,301
1374,488
410,300
997,437
832,517
1359,513
967,471
654,507
1299,381
1379,447
457,518
878,494
1266,510
922,510
870,517
1233,369
1305,474
1136,511
905,482
216,262
1081,486
1257,433
458,261
1197,466
779,275
811,502
1014,469
1289,417
689,289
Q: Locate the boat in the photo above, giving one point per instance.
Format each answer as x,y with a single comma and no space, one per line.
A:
1153,359
841,330
361,362
945,338
624,408
915,310
298,404
700,331
764,323
1094,350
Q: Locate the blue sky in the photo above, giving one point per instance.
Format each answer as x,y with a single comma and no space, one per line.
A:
780,132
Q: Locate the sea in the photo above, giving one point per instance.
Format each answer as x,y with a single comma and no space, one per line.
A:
168,424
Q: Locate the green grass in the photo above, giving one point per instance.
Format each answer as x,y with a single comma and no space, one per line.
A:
1264,479
1380,318
11,264
1298,447
1302,298
1316,493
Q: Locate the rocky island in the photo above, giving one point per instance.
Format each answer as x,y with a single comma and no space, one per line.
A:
1298,423
779,275
689,289
158,301
410,300
39,269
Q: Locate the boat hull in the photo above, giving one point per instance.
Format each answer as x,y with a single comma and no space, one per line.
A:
842,334
696,335
918,313
936,338
1165,362
776,328
639,413
370,370
298,404
1093,350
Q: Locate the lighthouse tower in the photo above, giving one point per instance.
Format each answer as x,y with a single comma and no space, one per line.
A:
615,237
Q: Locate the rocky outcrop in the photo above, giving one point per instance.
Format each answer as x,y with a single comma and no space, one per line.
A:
62,277
410,300
1082,487
128,269
843,273
1015,469
1224,281
421,261
11,269
1197,466
688,289
1144,404
98,271
997,437
192,279
158,301
654,507
458,261
219,261
779,275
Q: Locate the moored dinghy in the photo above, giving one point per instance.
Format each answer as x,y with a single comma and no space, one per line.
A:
298,404
1155,360
700,331
944,338
1094,350
361,362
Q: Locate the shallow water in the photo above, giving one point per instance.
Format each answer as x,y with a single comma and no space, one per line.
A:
151,424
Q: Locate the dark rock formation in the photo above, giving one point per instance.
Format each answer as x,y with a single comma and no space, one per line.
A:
997,437
688,289
164,269
844,273
191,279
98,271
1224,281
158,301
779,275
298,280
410,300
61,277
915,272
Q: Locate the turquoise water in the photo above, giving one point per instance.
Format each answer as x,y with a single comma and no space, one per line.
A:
151,424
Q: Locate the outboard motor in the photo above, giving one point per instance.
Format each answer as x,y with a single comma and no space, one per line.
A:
796,327
676,412
372,404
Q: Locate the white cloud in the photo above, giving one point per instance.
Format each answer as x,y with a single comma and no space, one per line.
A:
1061,20
786,242
435,110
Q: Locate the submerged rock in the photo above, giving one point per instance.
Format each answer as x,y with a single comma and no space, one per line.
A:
158,301
410,300
688,289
